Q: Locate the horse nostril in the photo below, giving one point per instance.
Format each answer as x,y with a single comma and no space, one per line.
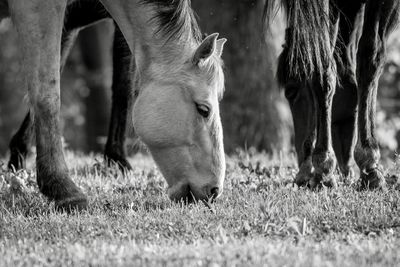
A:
214,192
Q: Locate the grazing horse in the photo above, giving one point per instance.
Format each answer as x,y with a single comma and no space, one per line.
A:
301,101
178,81
78,16
309,70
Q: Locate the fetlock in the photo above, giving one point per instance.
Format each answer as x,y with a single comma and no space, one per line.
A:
116,155
371,172
325,166
57,186
305,173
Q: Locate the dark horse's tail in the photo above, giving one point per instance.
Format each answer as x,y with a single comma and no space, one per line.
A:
308,48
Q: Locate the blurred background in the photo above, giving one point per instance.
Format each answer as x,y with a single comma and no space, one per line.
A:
254,111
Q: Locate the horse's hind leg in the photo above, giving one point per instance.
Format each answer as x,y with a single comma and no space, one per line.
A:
379,19
121,95
324,86
323,157
39,24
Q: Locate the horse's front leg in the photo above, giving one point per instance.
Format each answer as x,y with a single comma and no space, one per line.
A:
22,139
39,24
323,157
324,86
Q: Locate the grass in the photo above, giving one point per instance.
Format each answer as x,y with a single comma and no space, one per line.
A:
261,219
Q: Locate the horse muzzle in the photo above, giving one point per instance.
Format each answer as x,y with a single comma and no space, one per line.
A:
188,194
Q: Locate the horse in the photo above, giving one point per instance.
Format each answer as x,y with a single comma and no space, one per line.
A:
309,70
79,16
344,104
178,80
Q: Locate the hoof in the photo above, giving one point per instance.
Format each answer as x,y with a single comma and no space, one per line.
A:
373,179
319,181
77,203
17,161
303,179
63,191
305,174
325,166
348,174
121,161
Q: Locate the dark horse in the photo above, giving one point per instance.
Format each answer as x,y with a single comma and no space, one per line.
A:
78,16
330,66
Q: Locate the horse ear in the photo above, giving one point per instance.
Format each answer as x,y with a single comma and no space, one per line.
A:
206,48
220,46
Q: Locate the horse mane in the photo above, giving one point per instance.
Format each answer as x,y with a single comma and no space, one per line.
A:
175,18
308,52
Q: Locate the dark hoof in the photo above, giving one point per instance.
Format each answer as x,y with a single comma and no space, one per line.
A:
319,181
77,203
121,161
17,161
325,167
305,174
372,180
63,191
348,174
303,179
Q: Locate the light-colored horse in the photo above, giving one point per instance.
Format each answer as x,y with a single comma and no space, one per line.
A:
179,81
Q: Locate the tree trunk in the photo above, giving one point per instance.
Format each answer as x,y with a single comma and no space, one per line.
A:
253,110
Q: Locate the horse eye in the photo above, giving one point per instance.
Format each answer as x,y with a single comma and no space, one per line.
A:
203,110
291,93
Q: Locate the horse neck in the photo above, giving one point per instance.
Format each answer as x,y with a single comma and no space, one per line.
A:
153,49
146,42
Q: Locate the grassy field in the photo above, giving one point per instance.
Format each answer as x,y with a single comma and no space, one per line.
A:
261,220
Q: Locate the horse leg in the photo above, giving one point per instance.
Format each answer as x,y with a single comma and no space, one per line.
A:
79,15
323,89
121,97
323,157
343,135
21,141
344,113
298,94
39,24
303,114
306,168
379,19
